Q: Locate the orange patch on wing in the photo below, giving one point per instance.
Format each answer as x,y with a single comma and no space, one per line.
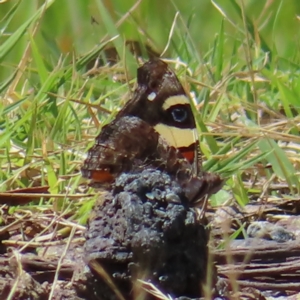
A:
101,176
189,155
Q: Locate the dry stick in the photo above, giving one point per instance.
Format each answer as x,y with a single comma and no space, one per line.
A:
262,269
260,253
39,264
283,271
33,195
40,244
290,286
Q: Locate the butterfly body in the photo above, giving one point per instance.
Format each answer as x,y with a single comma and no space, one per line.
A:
155,129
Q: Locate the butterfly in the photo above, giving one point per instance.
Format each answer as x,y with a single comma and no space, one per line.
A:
155,129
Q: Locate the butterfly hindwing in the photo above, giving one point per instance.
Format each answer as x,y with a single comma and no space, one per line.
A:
120,146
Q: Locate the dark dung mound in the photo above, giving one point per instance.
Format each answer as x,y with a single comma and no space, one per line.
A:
144,229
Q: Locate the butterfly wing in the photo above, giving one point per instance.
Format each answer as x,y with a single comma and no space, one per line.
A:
121,146
160,100
155,129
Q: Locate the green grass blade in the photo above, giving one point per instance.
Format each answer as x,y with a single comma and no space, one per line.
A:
218,54
15,37
6,20
39,63
119,43
281,165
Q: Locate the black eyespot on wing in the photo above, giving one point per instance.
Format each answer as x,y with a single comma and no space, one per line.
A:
179,114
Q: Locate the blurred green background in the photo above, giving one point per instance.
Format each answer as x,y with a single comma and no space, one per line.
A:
76,26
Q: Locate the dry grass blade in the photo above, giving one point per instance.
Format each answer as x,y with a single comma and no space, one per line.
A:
103,274
153,290
59,265
17,257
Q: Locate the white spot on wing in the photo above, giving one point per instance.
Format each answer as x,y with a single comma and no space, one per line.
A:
151,96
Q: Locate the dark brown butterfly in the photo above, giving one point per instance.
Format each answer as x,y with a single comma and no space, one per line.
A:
156,128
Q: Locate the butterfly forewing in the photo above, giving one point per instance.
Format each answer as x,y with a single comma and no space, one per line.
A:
156,128
161,101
